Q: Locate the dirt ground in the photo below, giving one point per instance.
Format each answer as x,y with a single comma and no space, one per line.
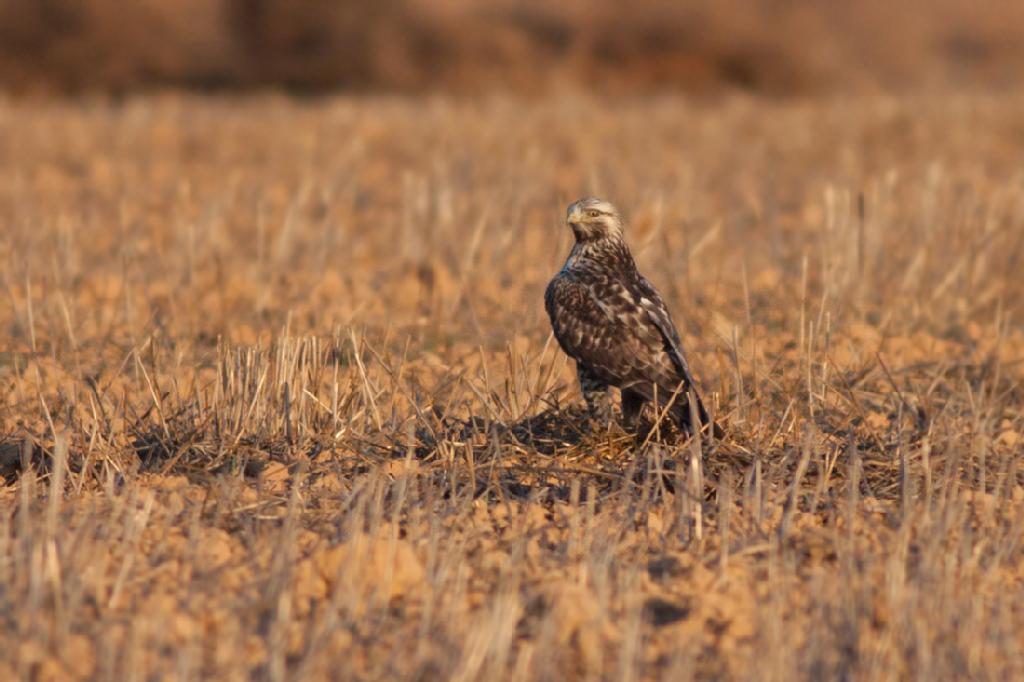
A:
278,396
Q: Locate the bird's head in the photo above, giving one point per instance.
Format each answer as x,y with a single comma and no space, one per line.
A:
592,219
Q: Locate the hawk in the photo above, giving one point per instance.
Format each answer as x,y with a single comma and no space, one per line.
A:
611,321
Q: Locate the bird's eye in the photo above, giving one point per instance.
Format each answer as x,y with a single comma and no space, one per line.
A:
593,213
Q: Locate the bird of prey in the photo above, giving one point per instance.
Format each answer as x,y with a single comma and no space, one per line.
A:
612,322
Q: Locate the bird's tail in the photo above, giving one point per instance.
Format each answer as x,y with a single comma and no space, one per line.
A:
685,413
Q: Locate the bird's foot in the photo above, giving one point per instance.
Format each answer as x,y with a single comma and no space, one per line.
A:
600,419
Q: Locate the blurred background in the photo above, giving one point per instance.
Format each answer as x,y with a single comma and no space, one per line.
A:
312,46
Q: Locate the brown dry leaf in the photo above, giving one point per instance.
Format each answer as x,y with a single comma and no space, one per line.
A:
275,477
1009,438
877,420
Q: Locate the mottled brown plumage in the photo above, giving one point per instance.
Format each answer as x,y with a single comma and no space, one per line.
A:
612,322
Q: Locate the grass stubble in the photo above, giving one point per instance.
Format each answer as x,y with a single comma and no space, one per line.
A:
280,399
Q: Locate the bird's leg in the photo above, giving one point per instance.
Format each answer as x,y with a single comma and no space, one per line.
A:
632,403
597,395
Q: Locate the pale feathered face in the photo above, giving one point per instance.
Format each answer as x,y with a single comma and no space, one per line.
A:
592,219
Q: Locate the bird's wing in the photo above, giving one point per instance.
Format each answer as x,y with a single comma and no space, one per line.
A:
599,325
647,297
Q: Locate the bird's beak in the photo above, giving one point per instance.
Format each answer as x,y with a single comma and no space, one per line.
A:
575,217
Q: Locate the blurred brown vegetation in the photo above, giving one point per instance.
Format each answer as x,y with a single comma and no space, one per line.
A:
774,46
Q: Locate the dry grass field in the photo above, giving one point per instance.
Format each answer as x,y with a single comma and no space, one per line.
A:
278,398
